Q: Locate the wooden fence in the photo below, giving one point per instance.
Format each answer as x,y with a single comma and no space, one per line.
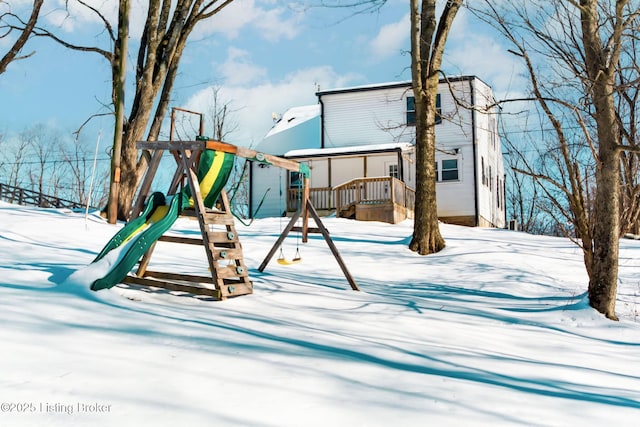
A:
22,196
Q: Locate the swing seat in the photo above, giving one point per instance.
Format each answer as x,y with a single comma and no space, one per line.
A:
284,261
296,259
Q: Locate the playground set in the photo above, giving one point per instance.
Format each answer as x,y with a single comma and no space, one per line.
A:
203,168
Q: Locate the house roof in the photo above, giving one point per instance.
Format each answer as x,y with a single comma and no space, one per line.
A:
346,151
390,85
298,128
293,117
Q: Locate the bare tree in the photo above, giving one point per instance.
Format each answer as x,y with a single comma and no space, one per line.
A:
628,113
78,162
8,24
167,27
524,200
573,52
43,167
13,157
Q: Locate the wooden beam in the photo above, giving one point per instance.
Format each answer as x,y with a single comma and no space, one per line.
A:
243,152
332,246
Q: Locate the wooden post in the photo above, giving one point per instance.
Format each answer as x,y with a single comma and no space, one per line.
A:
305,211
332,246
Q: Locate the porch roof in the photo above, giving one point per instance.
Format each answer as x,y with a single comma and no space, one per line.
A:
349,151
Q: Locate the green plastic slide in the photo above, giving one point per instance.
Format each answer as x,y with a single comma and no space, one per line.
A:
139,234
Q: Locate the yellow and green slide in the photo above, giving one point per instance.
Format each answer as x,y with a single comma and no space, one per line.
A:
137,236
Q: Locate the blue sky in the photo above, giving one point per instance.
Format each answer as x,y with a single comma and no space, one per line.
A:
264,56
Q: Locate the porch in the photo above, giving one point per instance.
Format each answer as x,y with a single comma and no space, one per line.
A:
384,199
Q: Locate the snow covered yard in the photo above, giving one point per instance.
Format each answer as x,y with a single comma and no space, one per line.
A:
494,330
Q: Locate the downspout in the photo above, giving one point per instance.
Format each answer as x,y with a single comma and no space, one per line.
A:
321,121
504,199
250,189
475,154
400,165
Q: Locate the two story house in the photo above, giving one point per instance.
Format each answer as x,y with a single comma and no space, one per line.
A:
359,144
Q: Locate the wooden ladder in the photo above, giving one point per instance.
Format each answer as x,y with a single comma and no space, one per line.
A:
229,275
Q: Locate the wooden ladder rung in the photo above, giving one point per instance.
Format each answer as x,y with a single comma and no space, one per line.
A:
231,271
222,237
173,286
218,219
227,254
234,289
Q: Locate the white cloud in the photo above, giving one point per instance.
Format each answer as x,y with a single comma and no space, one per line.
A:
275,25
274,22
254,104
238,68
390,39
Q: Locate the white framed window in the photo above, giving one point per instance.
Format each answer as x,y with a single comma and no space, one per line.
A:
392,170
449,170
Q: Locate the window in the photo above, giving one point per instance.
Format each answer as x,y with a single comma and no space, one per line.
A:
450,170
437,174
411,110
393,170
295,180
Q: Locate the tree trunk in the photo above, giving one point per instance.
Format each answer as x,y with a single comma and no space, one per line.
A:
428,37
426,233
603,277
157,68
603,274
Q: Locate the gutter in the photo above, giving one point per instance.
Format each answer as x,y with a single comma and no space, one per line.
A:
475,154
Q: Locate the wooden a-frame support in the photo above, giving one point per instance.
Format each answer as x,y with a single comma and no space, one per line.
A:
306,209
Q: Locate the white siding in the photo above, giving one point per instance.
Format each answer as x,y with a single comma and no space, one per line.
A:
379,165
491,204
367,117
319,172
345,169
457,198
454,140
266,180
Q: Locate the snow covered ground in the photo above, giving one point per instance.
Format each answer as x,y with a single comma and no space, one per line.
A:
493,331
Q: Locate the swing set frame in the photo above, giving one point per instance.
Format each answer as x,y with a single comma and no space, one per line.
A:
305,208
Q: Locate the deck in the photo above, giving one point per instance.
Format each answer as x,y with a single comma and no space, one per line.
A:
366,199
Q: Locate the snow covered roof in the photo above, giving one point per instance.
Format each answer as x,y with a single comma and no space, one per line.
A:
354,149
298,128
293,117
